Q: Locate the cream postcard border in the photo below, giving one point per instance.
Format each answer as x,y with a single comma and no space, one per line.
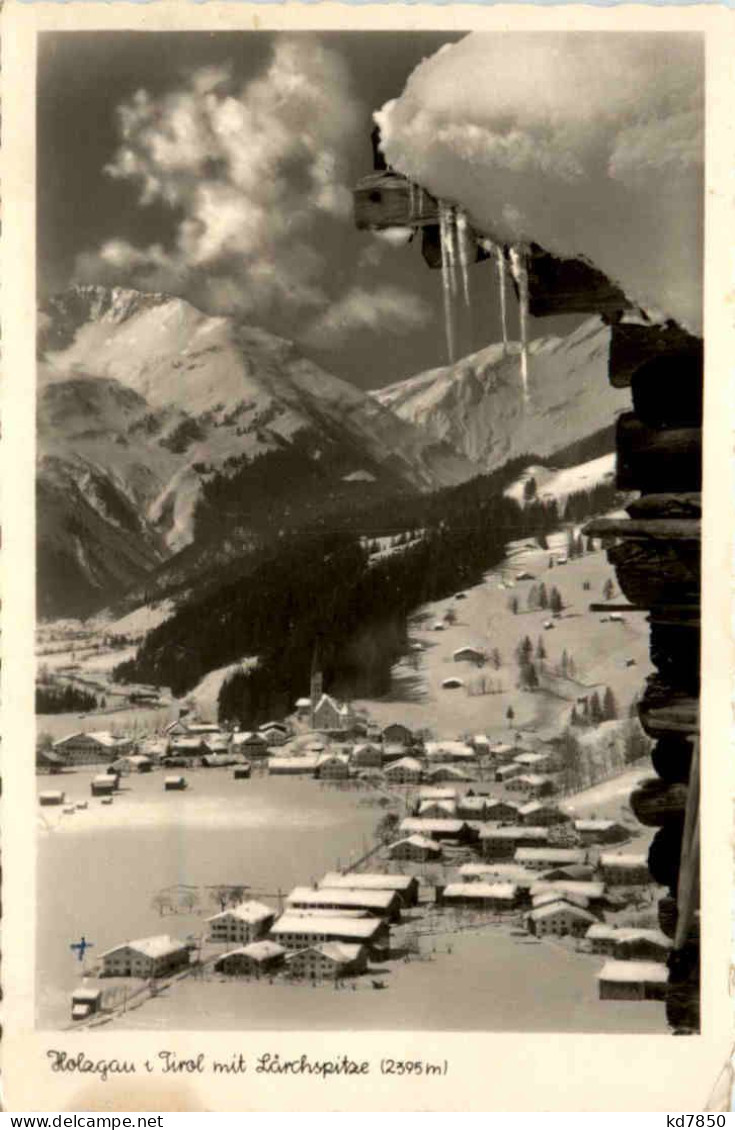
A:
487,1072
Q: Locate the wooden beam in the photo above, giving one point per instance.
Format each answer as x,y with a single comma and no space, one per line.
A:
657,459
633,343
642,529
656,802
688,504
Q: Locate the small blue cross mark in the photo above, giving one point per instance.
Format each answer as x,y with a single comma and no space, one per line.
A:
81,947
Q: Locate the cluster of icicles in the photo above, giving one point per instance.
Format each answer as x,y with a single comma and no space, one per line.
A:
456,242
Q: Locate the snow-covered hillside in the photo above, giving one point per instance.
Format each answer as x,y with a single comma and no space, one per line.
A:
477,405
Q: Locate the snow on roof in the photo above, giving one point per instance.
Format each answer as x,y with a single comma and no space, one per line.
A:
290,923
303,702
416,824
552,854
250,911
188,743
531,758
304,763
516,832
367,881
508,871
538,805
560,904
627,971
453,771
609,859
599,930
202,728
559,896
437,794
102,737
594,825
405,763
375,898
157,946
84,994
448,749
590,890
481,890
419,842
258,951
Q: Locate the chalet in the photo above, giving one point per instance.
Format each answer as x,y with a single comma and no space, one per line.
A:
505,773
204,729
559,896
158,956
625,870
469,654
532,784
481,895
393,751
574,872
600,831
242,924
186,750
274,735
481,744
437,794
502,752
538,812
333,767
438,809
218,760
251,743
594,893
632,981
602,938
49,762
415,849
560,919
367,756
538,858
452,683
304,766
534,762
500,810
295,931
472,807
407,886
407,771
503,843
449,751
330,715
446,773
638,944
252,960
90,748
133,763
379,902
395,733
458,830
327,961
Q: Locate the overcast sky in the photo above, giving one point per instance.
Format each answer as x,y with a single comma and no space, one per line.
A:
218,167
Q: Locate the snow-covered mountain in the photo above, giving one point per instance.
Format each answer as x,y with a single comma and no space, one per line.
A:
477,406
144,402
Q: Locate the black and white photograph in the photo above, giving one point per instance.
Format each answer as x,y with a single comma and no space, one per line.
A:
368,507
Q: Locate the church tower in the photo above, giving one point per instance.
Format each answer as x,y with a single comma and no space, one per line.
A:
317,684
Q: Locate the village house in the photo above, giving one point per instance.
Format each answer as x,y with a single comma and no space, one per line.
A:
330,715
51,797
274,735
600,831
534,762
561,919
472,807
448,751
304,766
85,1002
296,931
505,773
250,743
593,893
132,763
395,733
407,886
380,902
625,870
602,938
469,654
539,812
245,923
367,756
49,762
479,895
204,729
432,793
303,709
333,767
393,752
446,773
104,784
503,842
91,748
415,849
147,957
583,872
634,943
538,858
185,750
501,810
327,961
437,809
458,830
503,753
532,784
407,771
252,960
481,744
632,981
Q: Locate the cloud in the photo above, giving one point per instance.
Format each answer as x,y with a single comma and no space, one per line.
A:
256,176
586,143
387,308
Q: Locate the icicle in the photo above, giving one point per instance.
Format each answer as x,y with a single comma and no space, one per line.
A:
520,274
500,264
447,267
463,242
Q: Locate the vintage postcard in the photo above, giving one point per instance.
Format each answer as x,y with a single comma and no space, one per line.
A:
364,372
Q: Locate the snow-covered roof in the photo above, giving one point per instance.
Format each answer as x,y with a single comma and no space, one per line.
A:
560,904
336,924
550,854
404,763
343,953
437,794
258,951
302,702
516,832
251,912
609,859
481,890
594,825
375,899
415,824
635,971
590,890
159,945
367,881
418,841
